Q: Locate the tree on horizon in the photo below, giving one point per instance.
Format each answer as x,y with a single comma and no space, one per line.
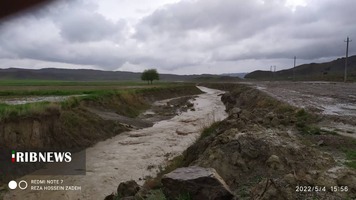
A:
149,75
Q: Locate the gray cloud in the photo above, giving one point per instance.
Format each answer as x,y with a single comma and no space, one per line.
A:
200,36
250,29
73,35
80,23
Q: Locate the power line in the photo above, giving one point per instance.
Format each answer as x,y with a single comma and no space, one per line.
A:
273,71
295,60
347,56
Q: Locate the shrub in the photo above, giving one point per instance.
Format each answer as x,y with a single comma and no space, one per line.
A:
209,130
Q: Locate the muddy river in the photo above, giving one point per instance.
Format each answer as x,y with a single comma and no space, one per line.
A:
132,155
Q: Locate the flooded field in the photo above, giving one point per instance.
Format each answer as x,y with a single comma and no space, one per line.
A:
24,100
326,97
336,102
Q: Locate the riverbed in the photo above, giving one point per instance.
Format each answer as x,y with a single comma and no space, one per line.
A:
133,155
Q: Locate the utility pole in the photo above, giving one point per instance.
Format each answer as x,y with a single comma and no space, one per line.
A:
295,59
347,56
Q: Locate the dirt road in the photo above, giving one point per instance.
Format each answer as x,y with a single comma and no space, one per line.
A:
335,101
134,154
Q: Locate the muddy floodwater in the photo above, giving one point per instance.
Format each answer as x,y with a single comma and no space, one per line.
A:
133,155
328,98
335,101
24,100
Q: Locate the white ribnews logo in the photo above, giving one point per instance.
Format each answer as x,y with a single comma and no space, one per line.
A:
44,157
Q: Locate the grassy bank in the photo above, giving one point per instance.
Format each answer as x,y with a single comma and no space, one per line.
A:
70,125
14,111
17,88
71,116
126,101
10,82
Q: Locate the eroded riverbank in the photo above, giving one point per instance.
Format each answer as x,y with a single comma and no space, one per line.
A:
134,154
266,149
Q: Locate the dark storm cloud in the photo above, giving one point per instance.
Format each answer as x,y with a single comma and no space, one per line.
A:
196,35
255,30
234,19
67,32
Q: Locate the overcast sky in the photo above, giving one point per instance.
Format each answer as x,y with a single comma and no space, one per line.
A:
178,36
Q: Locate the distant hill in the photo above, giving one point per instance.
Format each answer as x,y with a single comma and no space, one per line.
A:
328,71
240,75
205,78
89,75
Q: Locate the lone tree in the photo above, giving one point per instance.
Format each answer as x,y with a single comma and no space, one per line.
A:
149,75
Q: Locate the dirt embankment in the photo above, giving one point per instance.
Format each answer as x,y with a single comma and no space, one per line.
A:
72,126
267,149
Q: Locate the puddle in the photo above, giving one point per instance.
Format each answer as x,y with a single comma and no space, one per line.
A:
340,128
260,88
24,100
149,112
339,109
133,157
327,105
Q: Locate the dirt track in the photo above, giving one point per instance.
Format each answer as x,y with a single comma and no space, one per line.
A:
336,102
267,129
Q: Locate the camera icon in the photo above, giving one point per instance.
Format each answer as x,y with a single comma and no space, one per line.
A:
13,185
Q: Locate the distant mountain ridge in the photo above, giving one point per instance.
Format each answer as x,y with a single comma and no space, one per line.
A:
328,71
87,75
240,75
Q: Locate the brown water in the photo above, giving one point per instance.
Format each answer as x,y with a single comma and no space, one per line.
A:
25,100
134,154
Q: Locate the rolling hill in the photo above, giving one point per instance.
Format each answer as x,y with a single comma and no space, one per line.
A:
94,75
328,71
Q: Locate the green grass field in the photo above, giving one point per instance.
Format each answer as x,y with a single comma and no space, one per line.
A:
91,91
20,88
10,82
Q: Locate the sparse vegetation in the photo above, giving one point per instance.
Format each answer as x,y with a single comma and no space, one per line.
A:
184,196
132,98
20,88
70,103
351,158
14,111
150,75
155,183
16,82
305,121
156,195
207,131
306,124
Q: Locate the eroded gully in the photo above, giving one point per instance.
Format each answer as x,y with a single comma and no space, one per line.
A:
133,155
